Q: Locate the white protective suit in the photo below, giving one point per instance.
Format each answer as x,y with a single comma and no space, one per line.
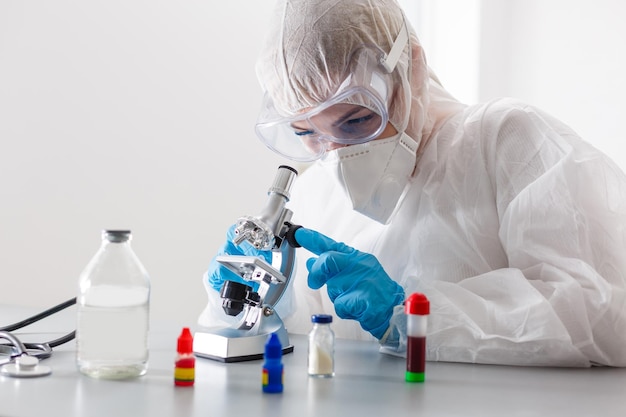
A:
513,227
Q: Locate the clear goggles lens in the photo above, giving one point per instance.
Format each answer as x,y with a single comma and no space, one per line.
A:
357,113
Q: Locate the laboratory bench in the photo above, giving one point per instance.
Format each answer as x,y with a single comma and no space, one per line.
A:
366,383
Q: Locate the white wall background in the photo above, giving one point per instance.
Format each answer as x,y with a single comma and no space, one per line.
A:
564,56
140,114
126,114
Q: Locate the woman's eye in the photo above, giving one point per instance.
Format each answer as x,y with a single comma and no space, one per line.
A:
304,132
358,120
358,126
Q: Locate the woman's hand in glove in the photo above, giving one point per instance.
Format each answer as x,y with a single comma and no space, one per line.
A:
218,273
356,282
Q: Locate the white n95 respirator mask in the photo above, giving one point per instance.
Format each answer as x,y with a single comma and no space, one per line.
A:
374,175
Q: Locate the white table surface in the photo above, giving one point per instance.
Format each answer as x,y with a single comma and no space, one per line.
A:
367,383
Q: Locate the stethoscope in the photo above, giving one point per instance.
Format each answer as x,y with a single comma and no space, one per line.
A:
20,359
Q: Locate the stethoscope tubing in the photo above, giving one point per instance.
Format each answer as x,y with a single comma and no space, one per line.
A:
40,350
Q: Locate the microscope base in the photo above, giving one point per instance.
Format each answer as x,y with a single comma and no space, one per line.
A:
233,345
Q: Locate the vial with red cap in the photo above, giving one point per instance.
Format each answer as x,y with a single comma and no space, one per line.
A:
185,367
417,309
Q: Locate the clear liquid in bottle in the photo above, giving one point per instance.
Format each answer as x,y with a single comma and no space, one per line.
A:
113,312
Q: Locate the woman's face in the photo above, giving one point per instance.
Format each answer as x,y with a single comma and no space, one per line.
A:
343,122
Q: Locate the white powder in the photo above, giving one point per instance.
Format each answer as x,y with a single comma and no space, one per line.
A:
320,361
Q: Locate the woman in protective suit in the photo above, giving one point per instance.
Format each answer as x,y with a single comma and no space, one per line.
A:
513,226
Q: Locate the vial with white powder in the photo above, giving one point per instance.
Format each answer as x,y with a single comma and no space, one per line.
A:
321,362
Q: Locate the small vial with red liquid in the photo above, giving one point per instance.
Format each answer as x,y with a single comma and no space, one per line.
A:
417,309
185,368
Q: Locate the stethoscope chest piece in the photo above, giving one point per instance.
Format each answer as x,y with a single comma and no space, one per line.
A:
25,366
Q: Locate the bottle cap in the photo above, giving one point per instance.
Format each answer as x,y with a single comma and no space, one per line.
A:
273,348
321,318
185,341
116,236
417,303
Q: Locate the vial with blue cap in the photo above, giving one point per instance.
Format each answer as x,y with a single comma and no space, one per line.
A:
321,362
273,366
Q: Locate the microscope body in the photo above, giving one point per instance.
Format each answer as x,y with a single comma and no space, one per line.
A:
266,231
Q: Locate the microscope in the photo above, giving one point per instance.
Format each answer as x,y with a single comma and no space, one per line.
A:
269,230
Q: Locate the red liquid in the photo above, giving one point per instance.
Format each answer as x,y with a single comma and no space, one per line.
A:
416,354
184,372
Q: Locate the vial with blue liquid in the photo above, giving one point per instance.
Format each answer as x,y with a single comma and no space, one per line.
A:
272,379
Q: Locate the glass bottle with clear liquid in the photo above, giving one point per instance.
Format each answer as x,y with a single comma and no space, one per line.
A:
113,311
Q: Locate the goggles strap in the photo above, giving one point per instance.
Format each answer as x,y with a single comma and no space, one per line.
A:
389,62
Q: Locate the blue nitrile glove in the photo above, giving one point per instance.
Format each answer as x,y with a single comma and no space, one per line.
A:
218,273
356,282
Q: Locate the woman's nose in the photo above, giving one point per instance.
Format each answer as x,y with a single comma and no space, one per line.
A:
331,146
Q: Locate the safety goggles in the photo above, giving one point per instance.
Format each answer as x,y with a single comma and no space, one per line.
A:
356,113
